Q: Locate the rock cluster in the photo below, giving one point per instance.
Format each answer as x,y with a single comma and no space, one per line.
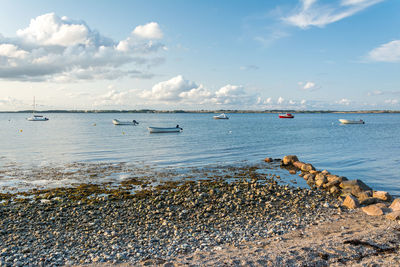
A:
352,193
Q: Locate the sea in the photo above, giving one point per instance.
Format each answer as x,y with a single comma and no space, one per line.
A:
369,152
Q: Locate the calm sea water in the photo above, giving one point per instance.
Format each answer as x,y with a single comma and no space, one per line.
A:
368,152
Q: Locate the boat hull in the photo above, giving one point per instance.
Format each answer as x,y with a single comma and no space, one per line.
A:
117,122
37,119
343,121
164,130
221,117
286,116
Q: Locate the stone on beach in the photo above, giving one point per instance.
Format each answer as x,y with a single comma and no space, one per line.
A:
332,183
355,183
298,164
364,195
395,206
319,183
351,202
309,176
320,176
385,196
334,190
307,167
394,215
374,210
368,201
289,159
267,159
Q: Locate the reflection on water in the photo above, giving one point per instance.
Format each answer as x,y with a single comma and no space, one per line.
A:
367,152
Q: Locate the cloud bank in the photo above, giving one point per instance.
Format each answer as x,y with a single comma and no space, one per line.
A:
54,48
180,90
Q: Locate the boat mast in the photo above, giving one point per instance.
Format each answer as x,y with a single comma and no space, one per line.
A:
34,106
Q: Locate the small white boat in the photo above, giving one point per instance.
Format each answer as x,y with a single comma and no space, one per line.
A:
343,121
35,117
176,129
222,116
118,122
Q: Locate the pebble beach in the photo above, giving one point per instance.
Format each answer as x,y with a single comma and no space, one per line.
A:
158,225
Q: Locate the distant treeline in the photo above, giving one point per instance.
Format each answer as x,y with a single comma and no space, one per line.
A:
203,111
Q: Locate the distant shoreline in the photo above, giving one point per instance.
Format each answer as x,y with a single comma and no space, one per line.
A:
211,111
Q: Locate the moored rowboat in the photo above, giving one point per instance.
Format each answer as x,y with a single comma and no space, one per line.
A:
343,121
118,122
176,129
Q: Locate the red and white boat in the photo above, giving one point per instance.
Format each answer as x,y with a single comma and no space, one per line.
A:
286,116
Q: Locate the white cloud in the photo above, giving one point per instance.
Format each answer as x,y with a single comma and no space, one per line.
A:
12,51
112,97
249,67
344,101
292,102
199,95
170,90
64,50
308,86
303,102
49,29
10,101
389,52
230,94
314,13
280,100
268,100
392,101
375,93
149,31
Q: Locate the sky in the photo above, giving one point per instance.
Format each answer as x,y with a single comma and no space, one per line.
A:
200,55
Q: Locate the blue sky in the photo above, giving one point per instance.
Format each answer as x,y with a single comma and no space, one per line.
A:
298,54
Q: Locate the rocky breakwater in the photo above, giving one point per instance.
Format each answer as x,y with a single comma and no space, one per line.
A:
353,194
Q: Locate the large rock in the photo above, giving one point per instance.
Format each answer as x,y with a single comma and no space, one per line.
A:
298,164
385,196
368,201
320,176
332,183
355,187
319,183
364,195
309,176
267,159
331,177
373,210
354,183
307,167
395,206
289,159
395,215
351,202
334,190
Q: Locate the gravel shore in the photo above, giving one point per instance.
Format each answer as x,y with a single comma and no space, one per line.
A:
89,224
